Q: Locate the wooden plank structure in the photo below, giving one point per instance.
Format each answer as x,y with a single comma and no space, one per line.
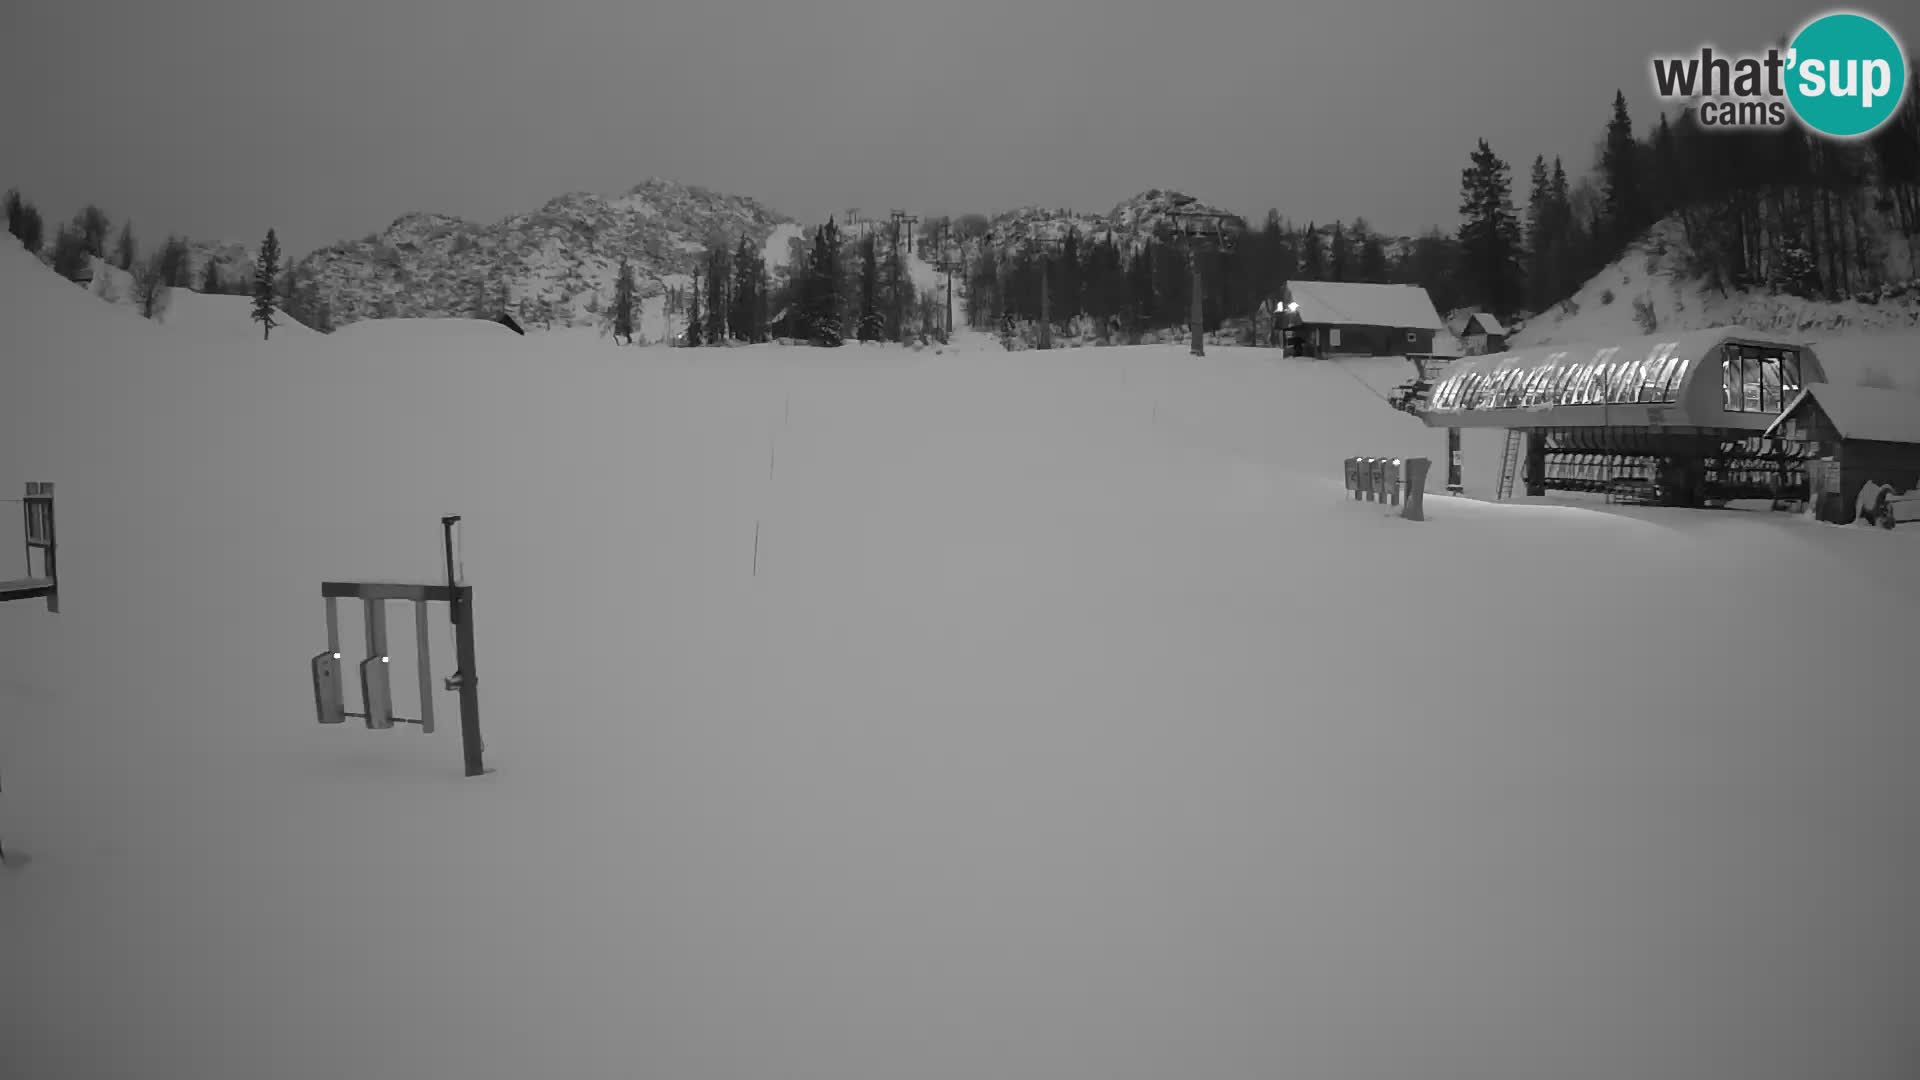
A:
376,691
37,512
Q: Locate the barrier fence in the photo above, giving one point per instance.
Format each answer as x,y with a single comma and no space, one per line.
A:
1400,482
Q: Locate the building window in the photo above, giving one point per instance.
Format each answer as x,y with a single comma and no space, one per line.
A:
1333,337
1770,384
1730,378
1411,336
1789,371
1676,375
1750,378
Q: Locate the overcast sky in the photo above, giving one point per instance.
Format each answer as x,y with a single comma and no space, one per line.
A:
221,118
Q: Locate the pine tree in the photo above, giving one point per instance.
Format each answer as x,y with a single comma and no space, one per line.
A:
1490,240
266,269
623,291
747,267
824,324
1338,263
23,221
718,280
69,252
869,327
123,252
1370,253
93,225
178,261
210,278
1620,167
16,211
1313,260
1539,245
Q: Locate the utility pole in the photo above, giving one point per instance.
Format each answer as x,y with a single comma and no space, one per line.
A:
900,218
946,264
1046,246
1201,229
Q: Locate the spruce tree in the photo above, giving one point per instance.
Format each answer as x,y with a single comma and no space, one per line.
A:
266,270
1370,253
1490,238
1620,168
696,331
748,270
1539,244
23,221
623,292
123,252
16,211
824,325
718,275
1313,256
1338,263
870,327
69,252
93,226
210,278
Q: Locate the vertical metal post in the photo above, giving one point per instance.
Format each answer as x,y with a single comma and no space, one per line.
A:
1455,484
1198,316
470,745
423,665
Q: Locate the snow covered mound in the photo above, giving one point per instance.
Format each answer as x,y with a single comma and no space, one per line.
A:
187,310
1645,292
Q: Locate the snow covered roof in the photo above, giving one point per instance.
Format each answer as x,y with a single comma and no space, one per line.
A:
1863,412
1353,303
1483,323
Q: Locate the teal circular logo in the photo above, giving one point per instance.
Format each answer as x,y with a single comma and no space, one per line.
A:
1847,74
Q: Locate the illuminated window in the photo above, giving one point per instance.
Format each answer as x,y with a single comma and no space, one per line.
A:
1750,378
1770,384
1675,376
1730,378
1563,384
1789,372
1654,373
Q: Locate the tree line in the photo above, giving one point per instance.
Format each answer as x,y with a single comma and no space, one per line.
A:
84,238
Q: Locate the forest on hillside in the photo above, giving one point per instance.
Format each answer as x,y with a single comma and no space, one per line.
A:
1776,209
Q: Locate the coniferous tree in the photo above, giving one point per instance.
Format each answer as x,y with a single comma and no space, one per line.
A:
824,323
1539,246
93,226
23,221
719,278
70,252
869,327
178,261
1490,240
210,282
1369,253
696,329
623,292
16,208
1621,169
266,269
748,270
1338,264
1313,257
123,251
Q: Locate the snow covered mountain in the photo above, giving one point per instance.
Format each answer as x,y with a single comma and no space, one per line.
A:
563,256
1131,222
